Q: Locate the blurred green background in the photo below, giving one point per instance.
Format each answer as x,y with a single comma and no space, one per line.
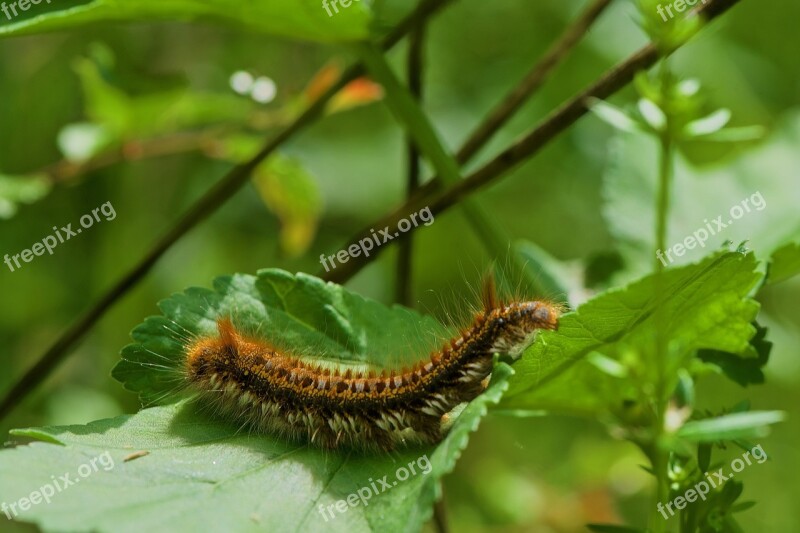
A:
535,474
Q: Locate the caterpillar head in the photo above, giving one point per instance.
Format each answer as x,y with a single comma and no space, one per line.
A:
518,323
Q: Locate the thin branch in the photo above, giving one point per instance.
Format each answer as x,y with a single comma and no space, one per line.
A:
532,81
210,202
547,130
414,67
204,140
409,113
524,90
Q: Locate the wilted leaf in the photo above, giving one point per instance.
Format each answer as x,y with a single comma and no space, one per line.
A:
291,193
358,92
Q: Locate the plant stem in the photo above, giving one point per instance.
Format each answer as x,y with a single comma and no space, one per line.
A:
439,200
407,112
547,130
660,457
531,83
414,66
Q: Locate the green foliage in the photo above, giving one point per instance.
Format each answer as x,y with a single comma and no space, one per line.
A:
205,474
707,307
714,511
785,263
195,460
747,368
305,19
632,356
702,194
668,33
120,116
17,190
730,427
291,193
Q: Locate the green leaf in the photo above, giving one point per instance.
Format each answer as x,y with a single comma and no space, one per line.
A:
736,135
752,424
117,116
762,212
106,105
667,29
81,141
299,311
291,193
738,367
742,506
784,263
688,88
304,19
709,124
707,306
197,464
18,190
653,114
202,474
614,116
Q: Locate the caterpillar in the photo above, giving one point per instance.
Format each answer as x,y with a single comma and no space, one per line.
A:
273,391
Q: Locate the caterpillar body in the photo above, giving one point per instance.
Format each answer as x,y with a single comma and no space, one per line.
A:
271,391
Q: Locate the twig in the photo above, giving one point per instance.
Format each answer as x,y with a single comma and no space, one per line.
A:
532,81
415,65
547,130
476,216
524,90
133,150
210,202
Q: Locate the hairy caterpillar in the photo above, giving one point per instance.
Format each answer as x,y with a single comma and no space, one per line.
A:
272,391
